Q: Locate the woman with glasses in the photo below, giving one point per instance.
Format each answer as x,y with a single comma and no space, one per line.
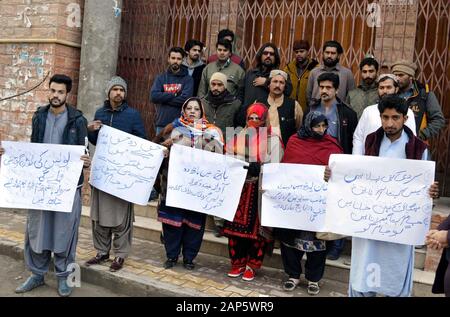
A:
247,240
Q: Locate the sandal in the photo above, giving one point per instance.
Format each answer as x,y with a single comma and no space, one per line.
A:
313,288
290,284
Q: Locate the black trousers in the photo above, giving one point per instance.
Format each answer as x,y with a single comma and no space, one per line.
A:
314,266
182,239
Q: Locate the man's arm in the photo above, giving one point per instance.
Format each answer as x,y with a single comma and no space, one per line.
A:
157,94
360,135
187,89
435,118
203,86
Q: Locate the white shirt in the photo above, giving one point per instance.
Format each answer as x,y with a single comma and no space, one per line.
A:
369,122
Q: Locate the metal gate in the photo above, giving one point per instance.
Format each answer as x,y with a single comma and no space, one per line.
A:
389,29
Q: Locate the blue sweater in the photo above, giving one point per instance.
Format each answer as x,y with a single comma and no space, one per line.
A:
169,92
124,118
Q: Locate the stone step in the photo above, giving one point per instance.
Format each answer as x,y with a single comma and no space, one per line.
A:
147,228
150,212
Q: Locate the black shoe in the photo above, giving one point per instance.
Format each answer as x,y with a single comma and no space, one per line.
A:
98,259
188,265
170,263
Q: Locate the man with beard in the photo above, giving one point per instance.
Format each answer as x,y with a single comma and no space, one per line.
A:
342,121
370,119
256,81
171,89
285,114
50,232
235,74
332,52
220,105
110,215
423,102
366,93
220,109
193,61
299,70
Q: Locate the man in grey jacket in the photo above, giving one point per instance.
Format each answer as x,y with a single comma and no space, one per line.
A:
332,51
423,102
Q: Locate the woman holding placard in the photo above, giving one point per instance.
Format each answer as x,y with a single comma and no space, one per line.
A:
247,240
183,229
311,145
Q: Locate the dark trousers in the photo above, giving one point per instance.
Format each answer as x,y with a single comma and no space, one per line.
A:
246,252
314,266
336,246
182,239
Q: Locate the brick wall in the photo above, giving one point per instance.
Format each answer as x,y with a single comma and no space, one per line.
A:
29,50
395,39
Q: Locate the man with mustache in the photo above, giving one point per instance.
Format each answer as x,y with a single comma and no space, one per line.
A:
50,232
285,114
342,121
256,81
370,119
332,51
171,89
110,215
420,99
366,93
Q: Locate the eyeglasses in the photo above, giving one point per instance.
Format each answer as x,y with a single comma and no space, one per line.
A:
269,53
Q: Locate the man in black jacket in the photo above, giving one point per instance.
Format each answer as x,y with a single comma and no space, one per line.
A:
342,122
50,232
256,81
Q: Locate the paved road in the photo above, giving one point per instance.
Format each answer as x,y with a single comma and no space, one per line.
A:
13,273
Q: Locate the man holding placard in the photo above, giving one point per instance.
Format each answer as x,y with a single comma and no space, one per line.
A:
112,215
47,231
380,267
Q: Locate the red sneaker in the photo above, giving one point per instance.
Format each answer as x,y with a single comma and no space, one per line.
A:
236,272
249,274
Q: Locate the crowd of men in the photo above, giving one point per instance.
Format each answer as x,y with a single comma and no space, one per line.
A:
227,89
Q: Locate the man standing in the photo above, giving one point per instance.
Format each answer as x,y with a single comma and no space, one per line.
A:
342,121
50,232
110,215
423,102
193,62
299,70
220,109
285,114
220,105
366,93
256,80
234,73
394,261
228,35
171,89
332,52
370,119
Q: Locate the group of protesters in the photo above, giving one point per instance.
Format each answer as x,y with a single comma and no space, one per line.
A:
299,114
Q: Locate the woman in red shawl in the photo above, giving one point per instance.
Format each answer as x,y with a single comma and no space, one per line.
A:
247,240
311,145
